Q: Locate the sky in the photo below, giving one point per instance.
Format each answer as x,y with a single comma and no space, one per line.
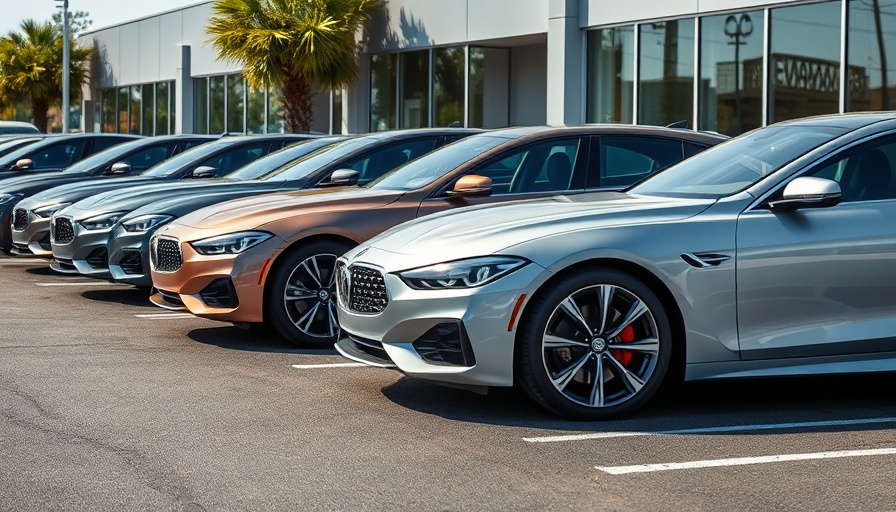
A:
102,12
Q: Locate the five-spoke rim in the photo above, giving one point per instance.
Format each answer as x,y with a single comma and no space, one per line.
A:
309,295
600,346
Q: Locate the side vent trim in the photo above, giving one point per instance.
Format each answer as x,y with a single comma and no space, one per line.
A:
704,260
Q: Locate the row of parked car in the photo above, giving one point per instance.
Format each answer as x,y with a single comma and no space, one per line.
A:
598,281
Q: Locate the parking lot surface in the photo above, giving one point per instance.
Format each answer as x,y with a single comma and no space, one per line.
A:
108,403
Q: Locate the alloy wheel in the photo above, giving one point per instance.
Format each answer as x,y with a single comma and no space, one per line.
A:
309,295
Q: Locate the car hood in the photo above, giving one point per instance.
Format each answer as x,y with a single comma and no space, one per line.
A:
258,211
33,183
77,191
483,230
126,199
181,205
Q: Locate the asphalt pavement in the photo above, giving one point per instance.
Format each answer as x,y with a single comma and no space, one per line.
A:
108,403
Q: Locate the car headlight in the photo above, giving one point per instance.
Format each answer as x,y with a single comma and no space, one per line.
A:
467,273
233,243
104,221
5,198
144,223
45,212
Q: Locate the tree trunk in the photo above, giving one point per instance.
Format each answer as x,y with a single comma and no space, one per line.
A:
297,107
39,109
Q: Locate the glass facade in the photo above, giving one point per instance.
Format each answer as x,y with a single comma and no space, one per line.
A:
752,68
611,75
236,103
468,85
216,106
145,109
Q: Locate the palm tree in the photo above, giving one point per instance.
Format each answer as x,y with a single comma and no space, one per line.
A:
31,66
292,45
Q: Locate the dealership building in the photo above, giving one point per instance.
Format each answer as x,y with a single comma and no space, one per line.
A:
720,65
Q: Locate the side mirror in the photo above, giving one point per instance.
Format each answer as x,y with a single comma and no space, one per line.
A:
118,168
472,186
24,164
808,192
204,171
343,177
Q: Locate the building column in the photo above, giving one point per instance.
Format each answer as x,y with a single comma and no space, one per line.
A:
565,81
356,100
183,93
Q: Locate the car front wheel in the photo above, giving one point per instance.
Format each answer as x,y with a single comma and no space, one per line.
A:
594,346
301,295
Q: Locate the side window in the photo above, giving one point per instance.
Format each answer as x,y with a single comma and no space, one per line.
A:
233,159
543,167
192,144
625,160
691,149
865,173
142,160
58,155
101,143
373,165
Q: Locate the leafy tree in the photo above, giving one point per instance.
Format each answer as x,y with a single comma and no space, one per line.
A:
31,67
78,21
291,45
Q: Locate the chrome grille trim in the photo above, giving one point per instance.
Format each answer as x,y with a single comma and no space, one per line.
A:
63,230
361,289
165,254
20,219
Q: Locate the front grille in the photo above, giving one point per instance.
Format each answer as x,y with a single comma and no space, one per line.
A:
131,263
165,255
20,219
98,258
63,231
361,289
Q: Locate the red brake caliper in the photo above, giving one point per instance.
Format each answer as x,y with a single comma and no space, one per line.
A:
626,336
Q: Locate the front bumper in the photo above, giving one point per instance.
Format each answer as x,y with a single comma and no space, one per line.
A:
202,278
34,240
399,334
129,256
86,254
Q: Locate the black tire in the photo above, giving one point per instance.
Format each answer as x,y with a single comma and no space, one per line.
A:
308,322
560,376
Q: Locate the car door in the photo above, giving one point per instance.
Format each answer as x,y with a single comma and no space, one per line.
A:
819,282
539,169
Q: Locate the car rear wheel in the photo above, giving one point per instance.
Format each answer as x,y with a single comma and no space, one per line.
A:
301,295
594,346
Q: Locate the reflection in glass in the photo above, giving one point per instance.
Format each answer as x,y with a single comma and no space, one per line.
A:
489,87
872,50
200,106
255,110
448,85
236,103
731,72
275,112
172,110
216,107
148,94
414,69
383,87
611,75
804,64
134,126
666,93
109,113
162,109
124,100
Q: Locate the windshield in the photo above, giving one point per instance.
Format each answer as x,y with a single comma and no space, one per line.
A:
430,167
319,158
107,156
177,162
265,167
739,163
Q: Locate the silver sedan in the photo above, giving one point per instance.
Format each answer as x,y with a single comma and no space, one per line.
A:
769,255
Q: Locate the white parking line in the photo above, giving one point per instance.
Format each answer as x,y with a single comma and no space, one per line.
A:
165,316
80,283
697,464
329,365
711,430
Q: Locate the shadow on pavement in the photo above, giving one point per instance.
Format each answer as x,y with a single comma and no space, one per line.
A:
256,339
694,405
44,270
121,295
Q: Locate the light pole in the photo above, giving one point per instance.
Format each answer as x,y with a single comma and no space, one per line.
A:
737,28
66,66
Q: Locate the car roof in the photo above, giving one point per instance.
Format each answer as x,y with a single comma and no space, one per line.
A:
413,132
849,121
607,129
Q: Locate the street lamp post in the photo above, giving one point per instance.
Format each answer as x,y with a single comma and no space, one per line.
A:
66,66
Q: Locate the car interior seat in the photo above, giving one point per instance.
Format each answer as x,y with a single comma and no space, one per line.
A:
871,178
559,171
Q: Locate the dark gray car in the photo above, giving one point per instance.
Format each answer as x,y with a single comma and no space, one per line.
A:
56,152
